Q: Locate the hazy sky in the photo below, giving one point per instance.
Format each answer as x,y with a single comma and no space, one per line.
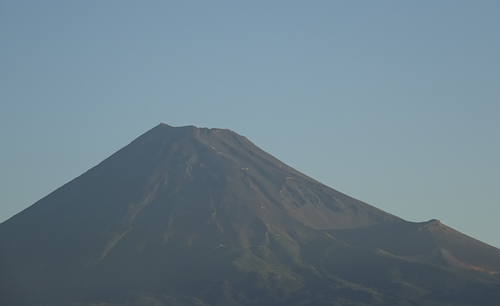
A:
395,103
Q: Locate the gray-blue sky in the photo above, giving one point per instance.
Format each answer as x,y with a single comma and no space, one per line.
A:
394,103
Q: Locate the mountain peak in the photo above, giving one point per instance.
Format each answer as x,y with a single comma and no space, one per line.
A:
198,212
165,130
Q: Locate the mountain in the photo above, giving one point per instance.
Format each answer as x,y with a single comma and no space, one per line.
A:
196,216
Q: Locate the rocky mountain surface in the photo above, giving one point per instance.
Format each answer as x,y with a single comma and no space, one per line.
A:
196,216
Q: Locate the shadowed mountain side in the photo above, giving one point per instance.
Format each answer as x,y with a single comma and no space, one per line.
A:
190,182
429,242
195,216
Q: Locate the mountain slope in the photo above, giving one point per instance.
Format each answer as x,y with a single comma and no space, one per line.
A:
429,242
203,216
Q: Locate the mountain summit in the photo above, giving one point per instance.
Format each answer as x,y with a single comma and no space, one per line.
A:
196,216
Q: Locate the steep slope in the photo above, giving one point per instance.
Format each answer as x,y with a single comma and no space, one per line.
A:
215,180
203,216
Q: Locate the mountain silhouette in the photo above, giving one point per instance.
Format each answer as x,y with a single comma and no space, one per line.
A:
196,216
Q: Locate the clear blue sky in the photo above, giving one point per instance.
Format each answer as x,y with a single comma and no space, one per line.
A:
396,103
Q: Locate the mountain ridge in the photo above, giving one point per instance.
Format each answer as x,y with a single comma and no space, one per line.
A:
181,210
